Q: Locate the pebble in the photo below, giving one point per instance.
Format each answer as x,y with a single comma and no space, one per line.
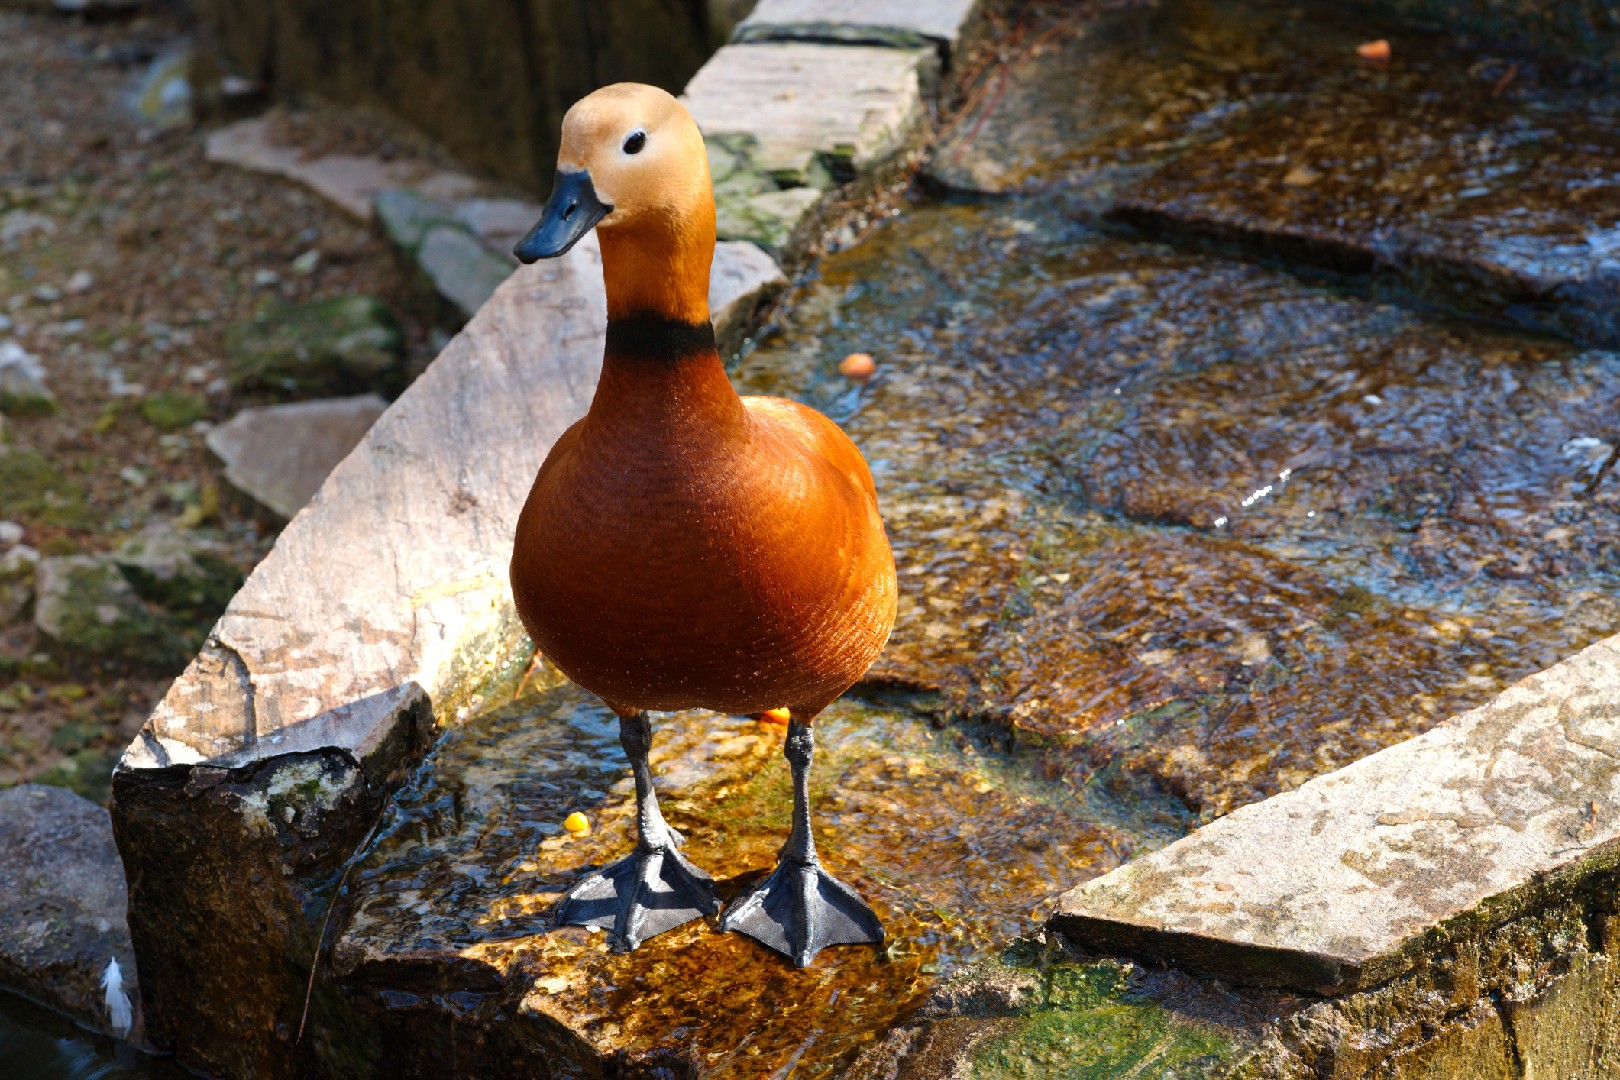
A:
81,282
306,263
10,533
263,279
1376,51
47,294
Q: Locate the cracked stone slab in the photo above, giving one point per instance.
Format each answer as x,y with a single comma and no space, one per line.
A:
1346,881
895,23
846,107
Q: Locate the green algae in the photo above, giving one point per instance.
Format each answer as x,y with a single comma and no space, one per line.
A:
1094,1021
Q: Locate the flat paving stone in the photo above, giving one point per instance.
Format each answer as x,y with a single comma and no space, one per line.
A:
904,23
1467,178
802,105
351,181
1344,882
279,455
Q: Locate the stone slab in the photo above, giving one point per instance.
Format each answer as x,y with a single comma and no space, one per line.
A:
902,23
1458,176
846,107
399,561
1345,881
279,455
349,180
62,892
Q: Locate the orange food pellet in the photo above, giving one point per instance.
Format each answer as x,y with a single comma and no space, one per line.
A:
1377,51
577,823
858,366
775,716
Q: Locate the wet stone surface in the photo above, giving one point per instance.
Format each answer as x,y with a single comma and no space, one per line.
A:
957,845
1167,510
1472,179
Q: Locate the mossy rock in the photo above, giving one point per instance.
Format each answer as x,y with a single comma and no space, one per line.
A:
166,567
332,344
31,487
1093,1022
173,410
86,606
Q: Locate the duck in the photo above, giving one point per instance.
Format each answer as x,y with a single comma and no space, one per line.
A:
684,547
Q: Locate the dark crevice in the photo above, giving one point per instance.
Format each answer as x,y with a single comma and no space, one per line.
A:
1510,1035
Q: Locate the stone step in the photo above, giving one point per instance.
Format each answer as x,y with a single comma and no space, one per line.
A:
895,23
1458,176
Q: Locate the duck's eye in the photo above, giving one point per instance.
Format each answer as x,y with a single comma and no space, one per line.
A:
635,142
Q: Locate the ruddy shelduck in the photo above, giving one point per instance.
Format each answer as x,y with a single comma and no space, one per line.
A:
684,547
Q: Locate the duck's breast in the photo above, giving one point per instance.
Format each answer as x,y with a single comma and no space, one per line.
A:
737,577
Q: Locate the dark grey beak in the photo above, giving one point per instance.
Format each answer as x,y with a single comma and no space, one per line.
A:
568,215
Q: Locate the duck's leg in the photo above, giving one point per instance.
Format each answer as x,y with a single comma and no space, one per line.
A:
652,889
801,909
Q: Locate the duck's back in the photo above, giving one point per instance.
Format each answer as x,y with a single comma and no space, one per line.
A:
662,570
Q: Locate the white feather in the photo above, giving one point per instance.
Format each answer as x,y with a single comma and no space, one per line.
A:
112,981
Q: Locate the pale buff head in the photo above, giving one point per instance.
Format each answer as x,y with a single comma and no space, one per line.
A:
642,150
632,165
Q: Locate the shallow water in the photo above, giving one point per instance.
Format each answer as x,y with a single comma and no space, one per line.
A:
1174,533
958,844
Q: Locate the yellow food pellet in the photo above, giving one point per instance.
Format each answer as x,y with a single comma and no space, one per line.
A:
577,823
775,716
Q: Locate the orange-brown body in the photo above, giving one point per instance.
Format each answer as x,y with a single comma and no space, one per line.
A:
684,547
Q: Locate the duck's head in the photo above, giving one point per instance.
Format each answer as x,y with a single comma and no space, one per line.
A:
631,160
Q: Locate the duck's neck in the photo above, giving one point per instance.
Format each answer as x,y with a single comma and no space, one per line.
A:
661,373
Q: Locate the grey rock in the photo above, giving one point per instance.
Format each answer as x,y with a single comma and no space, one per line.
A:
278,455
326,344
500,223
406,216
86,606
1346,881
462,269
22,383
901,23
232,866
743,277
62,889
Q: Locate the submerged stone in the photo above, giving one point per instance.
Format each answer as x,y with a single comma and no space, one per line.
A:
954,843
1168,507
1460,177
340,341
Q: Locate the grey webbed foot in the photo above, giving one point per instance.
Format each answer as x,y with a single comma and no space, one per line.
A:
641,896
654,888
800,910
